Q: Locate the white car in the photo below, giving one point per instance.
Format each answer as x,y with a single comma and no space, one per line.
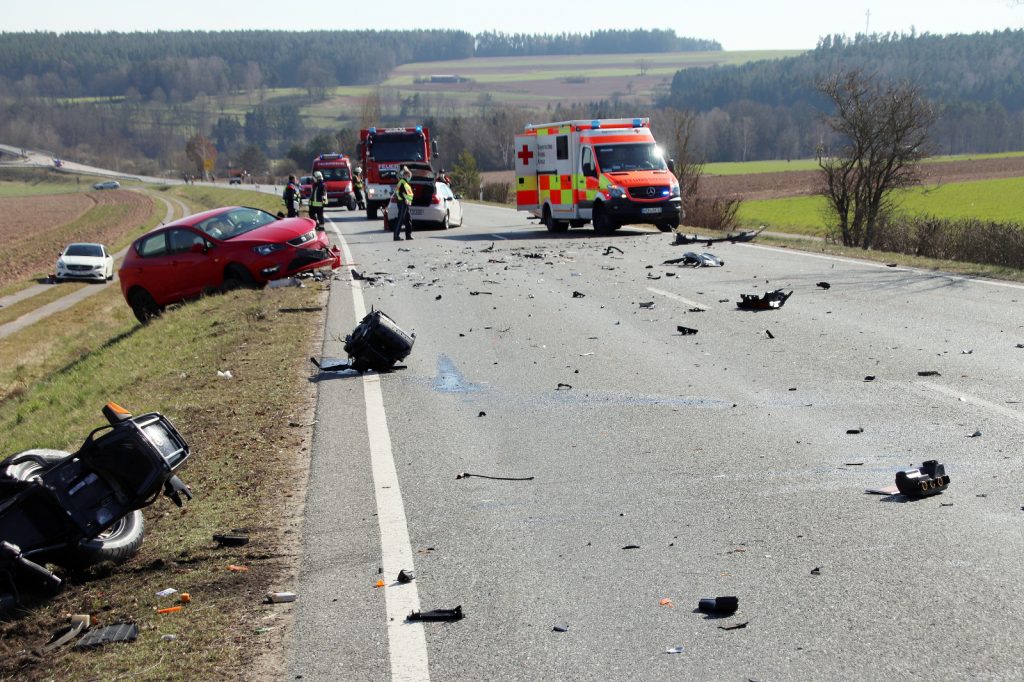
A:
433,204
85,261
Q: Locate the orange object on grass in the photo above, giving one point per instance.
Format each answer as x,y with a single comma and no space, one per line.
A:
170,609
237,569
185,597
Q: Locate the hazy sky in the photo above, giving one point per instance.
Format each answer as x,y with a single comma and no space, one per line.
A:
737,24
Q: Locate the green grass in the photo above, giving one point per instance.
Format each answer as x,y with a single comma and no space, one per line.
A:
778,166
995,200
202,198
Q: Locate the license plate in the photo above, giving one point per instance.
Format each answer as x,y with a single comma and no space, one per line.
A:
416,211
651,211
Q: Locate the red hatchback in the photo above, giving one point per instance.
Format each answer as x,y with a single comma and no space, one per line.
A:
220,249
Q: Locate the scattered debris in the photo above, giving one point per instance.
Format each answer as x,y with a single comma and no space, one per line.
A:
405,576
928,373
738,626
489,249
768,332
967,352
479,293
928,479
853,464
438,297
436,615
855,431
356,275
745,236
185,598
561,386
697,310
870,377
1020,345
482,414
118,632
225,374
459,477
331,364
697,260
377,343
769,301
169,609
166,593
667,602
647,304
282,283
578,294
280,597
631,547
823,285
674,650
723,606
231,539
79,623
887,490
816,570
608,251
560,628
685,331
976,434
237,569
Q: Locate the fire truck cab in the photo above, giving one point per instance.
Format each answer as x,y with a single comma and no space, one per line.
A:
610,172
337,172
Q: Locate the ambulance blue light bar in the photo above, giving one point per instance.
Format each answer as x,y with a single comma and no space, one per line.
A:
638,122
595,124
373,131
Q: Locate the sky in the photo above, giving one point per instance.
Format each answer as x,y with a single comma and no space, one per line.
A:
736,24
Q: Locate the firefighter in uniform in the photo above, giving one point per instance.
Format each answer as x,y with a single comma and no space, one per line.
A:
318,199
357,187
403,195
291,197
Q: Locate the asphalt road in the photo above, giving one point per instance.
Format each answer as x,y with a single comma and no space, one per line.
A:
723,456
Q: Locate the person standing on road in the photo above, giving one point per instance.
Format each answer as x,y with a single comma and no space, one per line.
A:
357,187
403,195
318,199
291,197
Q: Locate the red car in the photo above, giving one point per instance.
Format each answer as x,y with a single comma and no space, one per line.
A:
217,250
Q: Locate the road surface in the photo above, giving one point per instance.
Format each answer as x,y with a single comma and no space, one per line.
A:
664,466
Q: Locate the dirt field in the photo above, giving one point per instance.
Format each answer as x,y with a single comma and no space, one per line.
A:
34,229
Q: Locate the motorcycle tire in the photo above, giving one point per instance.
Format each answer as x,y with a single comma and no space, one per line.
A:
119,543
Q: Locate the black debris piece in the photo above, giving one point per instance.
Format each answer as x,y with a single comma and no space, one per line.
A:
823,285
478,293
631,547
652,276
405,576
685,331
647,304
488,249
331,365
697,260
560,628
929,373
769,333
608,251
855,431
722,606
377,343
231,539
769,301
1020,345
537,256
870,377
578,294
976,434
436,615
891,265
561,386
306,309
118,632
493,478
738,626
438,297
928,479
696,310
482,414
356,275
816,571
745,236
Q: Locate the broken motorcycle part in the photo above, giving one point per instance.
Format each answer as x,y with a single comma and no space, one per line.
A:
377,343
769,301
697,260
436,615
330,364
928,479
231,540
722,606
119,632
685,331
405,576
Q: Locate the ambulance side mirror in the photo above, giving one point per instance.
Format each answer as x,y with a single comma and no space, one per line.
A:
672,166
433,148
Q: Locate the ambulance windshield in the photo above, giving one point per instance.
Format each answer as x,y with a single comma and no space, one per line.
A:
612,158
408,147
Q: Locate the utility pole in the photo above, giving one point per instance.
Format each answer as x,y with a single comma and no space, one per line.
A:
867,23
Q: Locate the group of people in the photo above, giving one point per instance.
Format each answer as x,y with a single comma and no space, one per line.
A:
318,196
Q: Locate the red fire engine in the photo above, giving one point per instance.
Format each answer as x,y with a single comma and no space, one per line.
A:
383,152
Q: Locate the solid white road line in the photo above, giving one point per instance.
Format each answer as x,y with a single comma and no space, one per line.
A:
974,400
407,642
667,294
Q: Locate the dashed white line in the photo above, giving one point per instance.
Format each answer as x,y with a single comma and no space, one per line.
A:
674,297
407,642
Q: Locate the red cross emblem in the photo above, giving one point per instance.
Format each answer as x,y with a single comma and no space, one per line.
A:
525,155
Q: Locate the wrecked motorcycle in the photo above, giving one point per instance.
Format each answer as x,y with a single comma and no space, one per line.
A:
83,508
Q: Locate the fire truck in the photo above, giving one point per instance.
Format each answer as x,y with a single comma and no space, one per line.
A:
383,152
609,172
337,172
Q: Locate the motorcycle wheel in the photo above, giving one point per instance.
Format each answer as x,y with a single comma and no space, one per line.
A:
119,543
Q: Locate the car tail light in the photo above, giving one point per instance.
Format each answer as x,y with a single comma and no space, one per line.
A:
435,199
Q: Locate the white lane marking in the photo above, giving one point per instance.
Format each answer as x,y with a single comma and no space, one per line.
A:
854,261
974,400
407,642
498,236
667,294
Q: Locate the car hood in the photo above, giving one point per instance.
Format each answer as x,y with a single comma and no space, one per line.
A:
276,232
641,178
82,260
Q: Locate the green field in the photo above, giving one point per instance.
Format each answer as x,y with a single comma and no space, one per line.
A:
778,166
995,200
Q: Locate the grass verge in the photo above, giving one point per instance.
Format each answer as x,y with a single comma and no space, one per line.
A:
247,435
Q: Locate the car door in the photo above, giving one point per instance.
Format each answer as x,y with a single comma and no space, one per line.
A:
453,204
193,264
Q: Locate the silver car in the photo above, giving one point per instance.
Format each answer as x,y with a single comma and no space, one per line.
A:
107,184
433,204
85,261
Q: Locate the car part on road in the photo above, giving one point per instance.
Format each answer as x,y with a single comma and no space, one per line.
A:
768,333
405,576
769,301
608,250
745,236
853,432
281,597
118,632
377,343
685,331
738,626
436,615
231,539
929,373
79,624
493,478
697,260
928,479
721,606
824,285
561,386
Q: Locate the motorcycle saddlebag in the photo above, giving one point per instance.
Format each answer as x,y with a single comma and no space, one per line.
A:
377,343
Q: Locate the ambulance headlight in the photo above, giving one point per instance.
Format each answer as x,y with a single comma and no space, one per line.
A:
616,192
675,191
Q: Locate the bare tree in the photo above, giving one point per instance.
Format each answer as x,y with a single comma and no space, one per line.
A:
644,65
882,134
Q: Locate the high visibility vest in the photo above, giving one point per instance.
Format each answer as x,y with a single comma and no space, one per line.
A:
319,195
404,191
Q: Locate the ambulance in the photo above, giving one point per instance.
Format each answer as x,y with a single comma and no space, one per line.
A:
609,172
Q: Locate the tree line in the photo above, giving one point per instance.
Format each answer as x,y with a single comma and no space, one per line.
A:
177,66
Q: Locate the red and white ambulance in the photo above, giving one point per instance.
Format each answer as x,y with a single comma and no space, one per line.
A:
609,172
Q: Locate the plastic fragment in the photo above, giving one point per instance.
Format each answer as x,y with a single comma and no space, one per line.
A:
436,615
118,632
685,331
166,593
232,539
237,569
170,609
719,605
674,650
405,576
282,597
379,583
667,602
